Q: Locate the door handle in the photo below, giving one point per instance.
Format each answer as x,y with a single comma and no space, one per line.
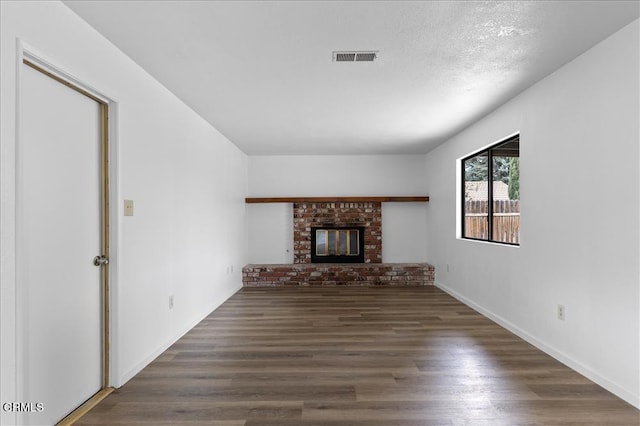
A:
100,260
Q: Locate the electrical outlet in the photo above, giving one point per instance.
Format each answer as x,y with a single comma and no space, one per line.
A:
561,312
171,302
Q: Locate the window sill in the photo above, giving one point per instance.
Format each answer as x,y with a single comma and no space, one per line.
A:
492,243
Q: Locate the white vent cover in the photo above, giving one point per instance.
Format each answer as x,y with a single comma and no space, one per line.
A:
347,56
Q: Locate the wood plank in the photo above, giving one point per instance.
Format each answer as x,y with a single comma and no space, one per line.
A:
365,356
390,199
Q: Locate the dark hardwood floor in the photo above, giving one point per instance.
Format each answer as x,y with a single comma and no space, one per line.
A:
375,356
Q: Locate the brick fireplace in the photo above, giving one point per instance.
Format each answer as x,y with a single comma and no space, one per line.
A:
307,216
338,216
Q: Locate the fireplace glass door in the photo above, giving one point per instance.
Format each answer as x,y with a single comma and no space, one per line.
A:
331,245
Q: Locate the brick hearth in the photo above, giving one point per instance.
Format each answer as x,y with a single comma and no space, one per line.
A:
354,274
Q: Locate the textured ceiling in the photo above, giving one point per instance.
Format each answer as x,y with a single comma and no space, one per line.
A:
262,72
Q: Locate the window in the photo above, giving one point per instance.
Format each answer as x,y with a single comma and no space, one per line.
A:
491,212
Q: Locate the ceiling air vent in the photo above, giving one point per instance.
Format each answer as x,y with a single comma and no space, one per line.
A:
355,56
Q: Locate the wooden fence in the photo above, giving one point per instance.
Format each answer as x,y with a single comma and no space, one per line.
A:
506,220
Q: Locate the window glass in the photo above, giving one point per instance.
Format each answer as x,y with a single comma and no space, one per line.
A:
476,194
506,193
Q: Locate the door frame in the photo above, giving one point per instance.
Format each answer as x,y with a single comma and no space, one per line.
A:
26,56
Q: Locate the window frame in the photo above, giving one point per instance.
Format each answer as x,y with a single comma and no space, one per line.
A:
489,152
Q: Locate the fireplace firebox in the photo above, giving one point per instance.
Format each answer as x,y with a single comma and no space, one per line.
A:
337,244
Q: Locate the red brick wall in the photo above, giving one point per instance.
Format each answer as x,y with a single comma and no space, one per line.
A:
367,215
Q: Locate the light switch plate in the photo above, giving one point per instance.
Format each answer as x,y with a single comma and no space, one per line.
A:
128,207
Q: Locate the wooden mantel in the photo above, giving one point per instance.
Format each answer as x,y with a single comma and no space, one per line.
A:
251,200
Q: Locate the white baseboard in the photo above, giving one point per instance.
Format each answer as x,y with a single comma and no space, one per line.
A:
592,375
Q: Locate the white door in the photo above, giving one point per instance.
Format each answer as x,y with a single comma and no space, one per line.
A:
59,233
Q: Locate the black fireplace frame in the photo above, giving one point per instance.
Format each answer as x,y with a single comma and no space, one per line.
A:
338,258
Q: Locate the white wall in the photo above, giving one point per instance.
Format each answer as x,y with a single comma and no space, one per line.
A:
579,142
188,183
403,224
